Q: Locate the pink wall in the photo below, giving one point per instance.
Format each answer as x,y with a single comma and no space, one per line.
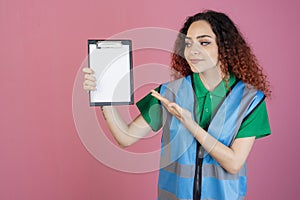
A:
43,46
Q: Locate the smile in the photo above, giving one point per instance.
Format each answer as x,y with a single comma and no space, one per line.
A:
195,61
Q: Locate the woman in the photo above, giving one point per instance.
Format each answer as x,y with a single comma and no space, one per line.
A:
215,111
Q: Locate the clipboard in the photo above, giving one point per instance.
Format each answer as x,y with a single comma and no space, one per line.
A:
111,61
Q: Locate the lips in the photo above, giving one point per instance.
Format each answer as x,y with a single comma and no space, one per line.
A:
195,61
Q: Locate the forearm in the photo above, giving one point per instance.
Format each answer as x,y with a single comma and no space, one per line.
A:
229,158
125,134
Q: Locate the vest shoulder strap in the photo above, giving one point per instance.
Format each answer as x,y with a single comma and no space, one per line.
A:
238,104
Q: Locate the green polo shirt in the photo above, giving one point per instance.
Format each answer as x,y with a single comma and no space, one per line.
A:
256,124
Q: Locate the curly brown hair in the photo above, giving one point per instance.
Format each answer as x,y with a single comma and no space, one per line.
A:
234,53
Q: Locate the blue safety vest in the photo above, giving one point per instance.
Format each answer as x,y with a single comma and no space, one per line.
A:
179,147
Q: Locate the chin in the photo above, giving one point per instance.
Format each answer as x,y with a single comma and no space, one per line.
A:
201,69
195,69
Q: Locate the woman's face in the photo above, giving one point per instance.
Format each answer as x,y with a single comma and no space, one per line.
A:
201,49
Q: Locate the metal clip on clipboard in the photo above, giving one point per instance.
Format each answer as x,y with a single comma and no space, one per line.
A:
109,44
111,61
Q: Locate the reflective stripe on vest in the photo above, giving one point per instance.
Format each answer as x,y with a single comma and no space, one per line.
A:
178,154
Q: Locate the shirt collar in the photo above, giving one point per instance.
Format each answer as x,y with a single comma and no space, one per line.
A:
219,91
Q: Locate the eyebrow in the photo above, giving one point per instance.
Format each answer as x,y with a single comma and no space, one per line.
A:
200,36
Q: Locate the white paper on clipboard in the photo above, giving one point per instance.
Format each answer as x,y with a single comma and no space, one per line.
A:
111,61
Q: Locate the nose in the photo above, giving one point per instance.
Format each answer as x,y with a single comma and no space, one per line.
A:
195,49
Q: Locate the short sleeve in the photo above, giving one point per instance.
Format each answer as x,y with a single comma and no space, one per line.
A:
150,109
256,124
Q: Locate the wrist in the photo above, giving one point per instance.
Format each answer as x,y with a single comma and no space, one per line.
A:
186,118
104,107
190,124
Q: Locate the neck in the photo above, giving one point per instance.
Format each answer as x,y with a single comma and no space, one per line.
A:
211,78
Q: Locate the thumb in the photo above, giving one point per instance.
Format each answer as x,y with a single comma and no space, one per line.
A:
88,70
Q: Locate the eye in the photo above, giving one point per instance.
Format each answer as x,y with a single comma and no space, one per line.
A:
205,43
188,44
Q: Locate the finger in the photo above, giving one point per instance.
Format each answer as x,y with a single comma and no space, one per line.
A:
89,88
89,83
154,91
174,112
90,77
162,99
175,106
159,97
177,110
166,103
87,70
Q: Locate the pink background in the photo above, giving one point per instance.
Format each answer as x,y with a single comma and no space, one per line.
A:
43,44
